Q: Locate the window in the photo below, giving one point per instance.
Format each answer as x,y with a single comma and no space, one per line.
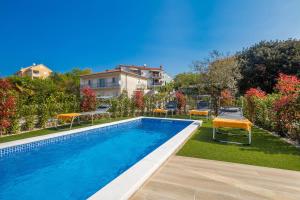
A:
36,72
114,80
89,82
101,82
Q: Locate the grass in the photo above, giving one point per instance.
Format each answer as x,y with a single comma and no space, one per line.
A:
54,130
265,150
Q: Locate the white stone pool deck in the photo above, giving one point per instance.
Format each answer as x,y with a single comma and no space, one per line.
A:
199,179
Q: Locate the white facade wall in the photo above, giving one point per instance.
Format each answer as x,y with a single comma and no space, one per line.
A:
132,83
107,87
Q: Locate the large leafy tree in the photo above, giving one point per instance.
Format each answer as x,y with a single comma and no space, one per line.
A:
218,73
185,80
261,63
69,82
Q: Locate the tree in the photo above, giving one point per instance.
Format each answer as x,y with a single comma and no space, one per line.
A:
89,101
187,82
69,82
184,80
261,63
218,73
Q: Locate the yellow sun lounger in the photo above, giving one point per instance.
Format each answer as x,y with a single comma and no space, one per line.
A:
199,113
232,123
159,111
68,117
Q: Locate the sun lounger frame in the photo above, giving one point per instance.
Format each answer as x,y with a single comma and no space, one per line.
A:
234,116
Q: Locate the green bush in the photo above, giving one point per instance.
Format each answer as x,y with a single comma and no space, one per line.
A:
264,112
114,107
15,127
29,113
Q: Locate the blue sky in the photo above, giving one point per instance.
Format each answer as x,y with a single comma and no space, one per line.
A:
101,34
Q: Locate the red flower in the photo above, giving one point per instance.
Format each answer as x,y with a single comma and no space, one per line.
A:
287,84
89,101
4,123
283,101
180,100
7,104
226,98
255,92
139,99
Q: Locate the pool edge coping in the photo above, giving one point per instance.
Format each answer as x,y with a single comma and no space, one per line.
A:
127,183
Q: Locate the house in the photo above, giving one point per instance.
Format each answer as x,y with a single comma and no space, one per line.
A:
156,76
35,71
111,83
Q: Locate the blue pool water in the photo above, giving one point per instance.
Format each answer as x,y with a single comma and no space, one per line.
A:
79,166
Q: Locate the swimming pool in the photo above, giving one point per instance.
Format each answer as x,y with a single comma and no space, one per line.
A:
77,165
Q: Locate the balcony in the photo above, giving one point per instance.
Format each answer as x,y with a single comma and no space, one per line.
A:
156,84
156,76
101,86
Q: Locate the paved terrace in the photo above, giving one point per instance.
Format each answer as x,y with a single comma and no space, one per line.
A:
193,178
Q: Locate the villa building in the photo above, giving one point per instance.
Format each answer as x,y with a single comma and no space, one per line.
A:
35,71
111,83
156,76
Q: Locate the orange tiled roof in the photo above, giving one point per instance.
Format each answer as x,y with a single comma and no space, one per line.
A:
141,67
113,70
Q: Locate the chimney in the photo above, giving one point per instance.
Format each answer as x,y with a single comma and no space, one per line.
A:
145,65
161,67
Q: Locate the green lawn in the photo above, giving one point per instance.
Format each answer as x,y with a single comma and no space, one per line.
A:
266,150
54,130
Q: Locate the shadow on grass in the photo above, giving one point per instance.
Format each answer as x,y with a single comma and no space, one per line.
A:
262,141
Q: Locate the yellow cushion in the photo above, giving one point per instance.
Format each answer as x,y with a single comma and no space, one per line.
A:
67,116
232,123
198,112
158,110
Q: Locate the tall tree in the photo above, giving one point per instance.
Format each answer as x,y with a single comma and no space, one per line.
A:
218,73
261,63
69,82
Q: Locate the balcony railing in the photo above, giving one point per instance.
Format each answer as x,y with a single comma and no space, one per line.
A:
156,85
98,85
156,76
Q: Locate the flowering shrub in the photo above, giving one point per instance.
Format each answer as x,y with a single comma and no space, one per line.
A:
251,96
288,116
226,98
280,111
287,111
181,100
255,92
139,99
287,84
7,104
88,102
